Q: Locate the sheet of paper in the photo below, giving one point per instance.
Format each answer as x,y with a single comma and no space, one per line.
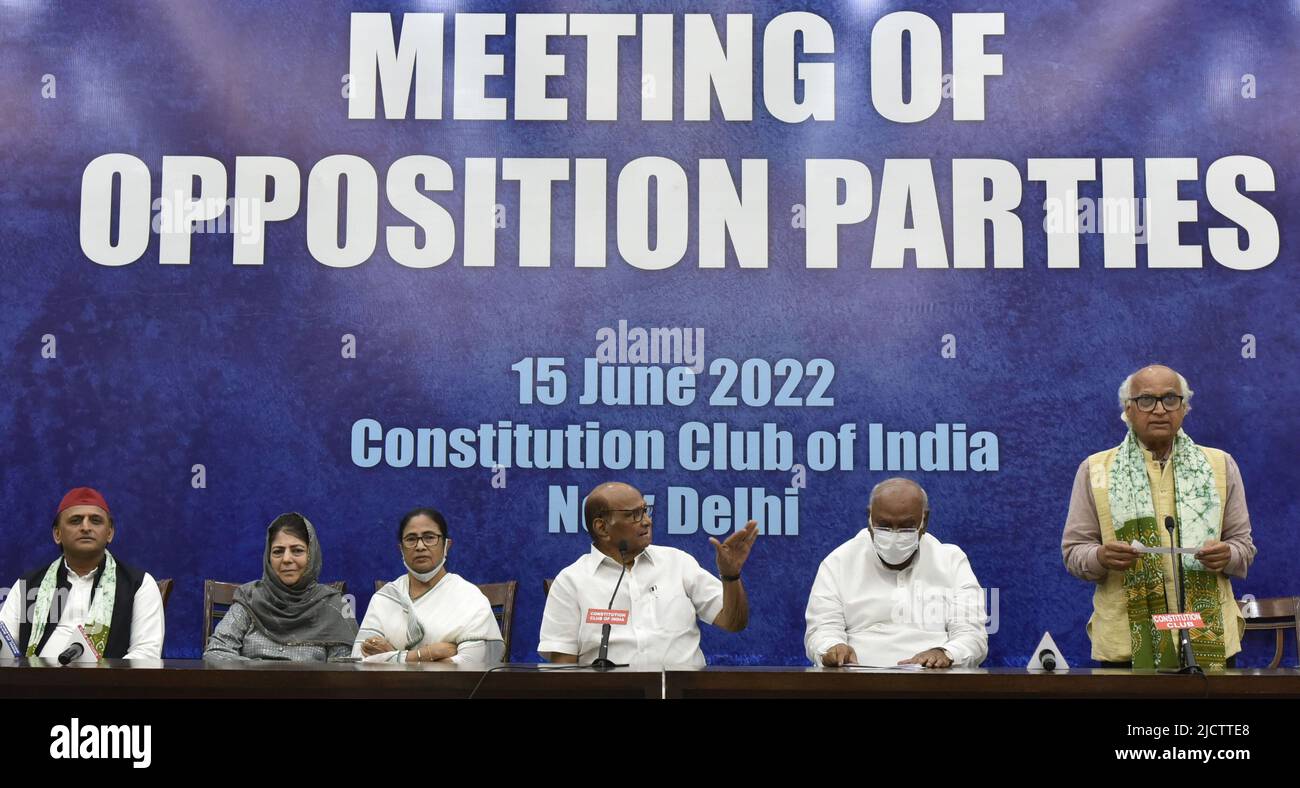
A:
1141,548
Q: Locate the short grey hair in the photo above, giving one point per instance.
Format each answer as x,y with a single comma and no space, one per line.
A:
1126,390
925,499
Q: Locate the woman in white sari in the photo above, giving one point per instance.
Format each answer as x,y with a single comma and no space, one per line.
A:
428,614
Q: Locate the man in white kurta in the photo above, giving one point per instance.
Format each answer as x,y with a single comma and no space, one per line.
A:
662,594
665,592
453,611
85,588
894,595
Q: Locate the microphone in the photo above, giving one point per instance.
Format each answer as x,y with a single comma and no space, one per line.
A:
1048,657
71,652
1186,658
602,661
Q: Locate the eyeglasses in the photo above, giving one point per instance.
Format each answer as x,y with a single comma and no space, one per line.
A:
1147,403
893,529
429,538
638,513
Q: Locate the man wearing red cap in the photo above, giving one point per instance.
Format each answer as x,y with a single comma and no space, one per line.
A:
86,596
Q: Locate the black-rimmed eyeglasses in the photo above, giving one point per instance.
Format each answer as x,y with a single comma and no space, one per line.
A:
430,539
1147,402
641,511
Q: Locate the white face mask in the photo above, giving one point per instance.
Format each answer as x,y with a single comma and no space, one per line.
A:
895,548
425,577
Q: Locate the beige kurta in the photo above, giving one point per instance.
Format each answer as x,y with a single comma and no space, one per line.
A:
1088,526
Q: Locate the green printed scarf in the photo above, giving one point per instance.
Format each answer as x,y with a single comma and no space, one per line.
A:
1199,510
100,616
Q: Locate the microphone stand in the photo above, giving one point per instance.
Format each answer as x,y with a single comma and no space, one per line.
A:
602,661
1186,658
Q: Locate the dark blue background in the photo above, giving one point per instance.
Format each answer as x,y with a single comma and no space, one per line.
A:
160,368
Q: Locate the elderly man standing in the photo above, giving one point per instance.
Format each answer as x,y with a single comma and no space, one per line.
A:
662,593
1125,495
86,589
895,595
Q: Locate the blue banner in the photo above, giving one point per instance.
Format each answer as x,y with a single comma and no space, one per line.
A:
751,258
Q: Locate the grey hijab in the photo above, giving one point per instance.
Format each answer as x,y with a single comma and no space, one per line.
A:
304,614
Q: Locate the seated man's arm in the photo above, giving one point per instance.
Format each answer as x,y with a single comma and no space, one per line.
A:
558,641
968,640
148,624
826,638
734,615
11,615
731,556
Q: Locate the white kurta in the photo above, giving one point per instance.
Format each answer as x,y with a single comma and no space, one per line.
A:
147,623
887,615
453,611
665,592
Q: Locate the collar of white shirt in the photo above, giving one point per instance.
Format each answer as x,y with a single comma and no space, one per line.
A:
72,573
596,558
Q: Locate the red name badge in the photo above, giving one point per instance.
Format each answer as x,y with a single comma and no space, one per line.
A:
597,615
1178,620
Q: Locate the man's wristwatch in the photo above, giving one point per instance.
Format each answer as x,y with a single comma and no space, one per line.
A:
730,578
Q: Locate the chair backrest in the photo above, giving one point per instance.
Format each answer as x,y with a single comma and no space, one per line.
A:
1272,607
501,596
165,590
1276,614
218,596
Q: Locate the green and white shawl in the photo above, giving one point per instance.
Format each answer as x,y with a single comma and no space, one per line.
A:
1199,514
99,617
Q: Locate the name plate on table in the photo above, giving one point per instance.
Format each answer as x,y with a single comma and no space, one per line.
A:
1178,620
597,615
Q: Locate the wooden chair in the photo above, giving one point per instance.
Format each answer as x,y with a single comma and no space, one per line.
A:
1277,614
216,593
165,590
501,596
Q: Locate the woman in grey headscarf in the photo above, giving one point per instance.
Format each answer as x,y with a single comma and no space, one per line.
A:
286,615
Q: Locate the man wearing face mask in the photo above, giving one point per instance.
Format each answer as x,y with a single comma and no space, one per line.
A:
895,595
428,614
